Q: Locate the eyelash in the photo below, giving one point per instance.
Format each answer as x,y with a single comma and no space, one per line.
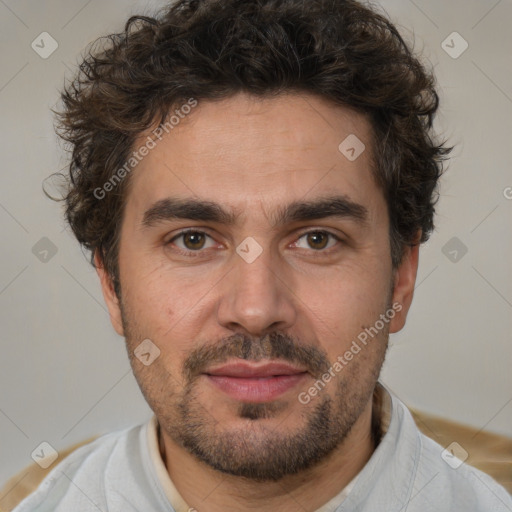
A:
199,251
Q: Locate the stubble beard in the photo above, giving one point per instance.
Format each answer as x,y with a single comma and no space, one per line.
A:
254,450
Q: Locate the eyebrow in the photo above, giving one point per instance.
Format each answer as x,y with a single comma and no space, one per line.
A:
208,211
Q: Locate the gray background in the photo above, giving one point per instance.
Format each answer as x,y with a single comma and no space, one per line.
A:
64,373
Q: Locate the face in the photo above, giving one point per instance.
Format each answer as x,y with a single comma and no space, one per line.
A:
255,256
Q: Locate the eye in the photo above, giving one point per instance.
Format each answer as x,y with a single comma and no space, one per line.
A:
191,241
317,240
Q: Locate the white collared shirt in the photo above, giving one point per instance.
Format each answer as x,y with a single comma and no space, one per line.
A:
123,472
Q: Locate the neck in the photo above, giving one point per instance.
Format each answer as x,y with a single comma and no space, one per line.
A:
209,490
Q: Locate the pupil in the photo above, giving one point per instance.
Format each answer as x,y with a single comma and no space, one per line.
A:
313,238
194,240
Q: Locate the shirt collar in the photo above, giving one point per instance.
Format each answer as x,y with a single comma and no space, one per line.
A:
381,419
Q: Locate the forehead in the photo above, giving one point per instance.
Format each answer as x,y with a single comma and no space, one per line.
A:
245,152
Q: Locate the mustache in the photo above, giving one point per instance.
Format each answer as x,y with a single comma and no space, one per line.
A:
275,346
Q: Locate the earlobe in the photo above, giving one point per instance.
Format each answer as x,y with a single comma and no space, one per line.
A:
404,283
109,294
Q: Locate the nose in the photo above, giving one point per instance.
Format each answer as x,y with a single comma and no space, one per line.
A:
256,298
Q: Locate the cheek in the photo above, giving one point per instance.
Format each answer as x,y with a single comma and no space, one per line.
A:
343,305
170,310
149,310
145,282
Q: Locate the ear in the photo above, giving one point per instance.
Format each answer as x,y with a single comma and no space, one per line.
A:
111,299
404,281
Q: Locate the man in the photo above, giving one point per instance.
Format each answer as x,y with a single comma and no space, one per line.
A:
253,180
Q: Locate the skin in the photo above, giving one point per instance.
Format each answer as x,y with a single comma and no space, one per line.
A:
253,156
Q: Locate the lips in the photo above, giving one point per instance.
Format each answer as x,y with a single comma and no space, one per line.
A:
255,383
247,370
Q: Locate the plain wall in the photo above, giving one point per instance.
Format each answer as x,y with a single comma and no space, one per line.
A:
64,373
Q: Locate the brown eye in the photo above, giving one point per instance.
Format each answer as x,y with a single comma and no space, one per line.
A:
317,239
193,240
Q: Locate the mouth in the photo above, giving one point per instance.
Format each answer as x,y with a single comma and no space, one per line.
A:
255,383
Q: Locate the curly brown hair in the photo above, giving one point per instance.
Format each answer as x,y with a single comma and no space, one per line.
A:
338,50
